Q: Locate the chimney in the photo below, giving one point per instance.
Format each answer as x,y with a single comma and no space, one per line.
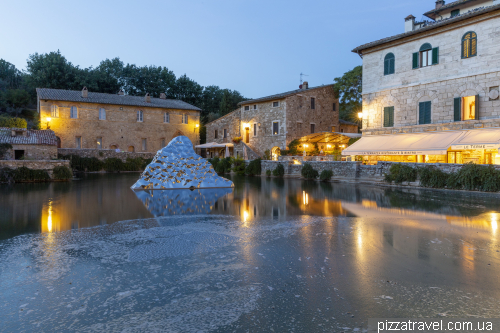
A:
439,4
85,92
409,23
147,98
121,92
305,85
163,96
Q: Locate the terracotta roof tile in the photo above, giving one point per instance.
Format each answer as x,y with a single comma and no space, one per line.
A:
33,137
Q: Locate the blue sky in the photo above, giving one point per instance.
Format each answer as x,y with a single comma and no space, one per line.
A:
256,47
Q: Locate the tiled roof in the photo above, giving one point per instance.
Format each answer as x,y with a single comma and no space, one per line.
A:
447,6
33,137
101,98
280,96
430,26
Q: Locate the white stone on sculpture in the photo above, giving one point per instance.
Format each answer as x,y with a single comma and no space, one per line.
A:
177,166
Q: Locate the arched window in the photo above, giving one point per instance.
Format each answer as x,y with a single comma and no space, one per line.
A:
469,45
389,63
139,116
426,56
54,111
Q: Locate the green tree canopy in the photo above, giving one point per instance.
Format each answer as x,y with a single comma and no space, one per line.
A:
348,90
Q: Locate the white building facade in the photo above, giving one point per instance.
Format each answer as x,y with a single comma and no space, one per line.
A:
431,94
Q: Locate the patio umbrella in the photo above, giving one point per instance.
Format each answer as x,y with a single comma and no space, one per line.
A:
227,151
245,156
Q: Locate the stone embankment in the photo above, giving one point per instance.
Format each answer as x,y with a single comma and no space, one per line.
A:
47,165
103,154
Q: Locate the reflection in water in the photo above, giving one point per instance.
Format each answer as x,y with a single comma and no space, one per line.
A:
181,202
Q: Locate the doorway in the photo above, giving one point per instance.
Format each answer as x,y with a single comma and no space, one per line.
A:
18,154
247,134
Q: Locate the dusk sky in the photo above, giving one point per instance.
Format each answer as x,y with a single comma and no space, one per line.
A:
256,47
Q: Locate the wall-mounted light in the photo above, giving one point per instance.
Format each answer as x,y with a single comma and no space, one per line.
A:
48,120
360,115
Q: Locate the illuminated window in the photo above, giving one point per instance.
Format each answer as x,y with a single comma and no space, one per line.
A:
469,45
99,143
54,111
276,128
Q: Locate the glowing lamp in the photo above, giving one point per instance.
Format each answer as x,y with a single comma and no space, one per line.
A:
360,115
197,125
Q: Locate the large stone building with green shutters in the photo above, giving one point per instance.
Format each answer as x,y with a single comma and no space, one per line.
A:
431,93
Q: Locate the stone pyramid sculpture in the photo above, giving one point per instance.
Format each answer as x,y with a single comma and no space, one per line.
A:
177,166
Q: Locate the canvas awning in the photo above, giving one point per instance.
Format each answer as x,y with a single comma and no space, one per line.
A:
478,139
214,145
429,143
329,137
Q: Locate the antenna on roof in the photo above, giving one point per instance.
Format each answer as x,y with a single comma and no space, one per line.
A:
301,75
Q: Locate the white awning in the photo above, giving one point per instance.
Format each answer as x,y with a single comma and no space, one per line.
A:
429,143
206,145
478,139
214,145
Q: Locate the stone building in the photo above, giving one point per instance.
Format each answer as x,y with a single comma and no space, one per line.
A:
272,122
82,119
347,126
29,144
431,94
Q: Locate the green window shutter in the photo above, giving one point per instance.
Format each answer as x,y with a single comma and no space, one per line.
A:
476,105
391,116
386,67
391,66
415,60
427,112
421,112
386,117
435,56
457,109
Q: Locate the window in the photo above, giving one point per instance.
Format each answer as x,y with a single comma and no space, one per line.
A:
333,129
313,105
166,117
99,143
184,118
78,142
455,12
54,111
276,128
341,130
313,126
469,45
389,116
102,114
389,64
427,56
225,133
334,107
162,143
73,112
276,104
466,108
254,129
216,134
255,107
144,144
247,107
139,116
424,113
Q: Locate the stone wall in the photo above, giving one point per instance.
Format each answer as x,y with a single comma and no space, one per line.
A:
439,84
300,115
120,128
230,122
34,164
103,154
348,128
33,152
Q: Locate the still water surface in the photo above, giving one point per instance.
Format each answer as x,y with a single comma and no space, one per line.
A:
270,255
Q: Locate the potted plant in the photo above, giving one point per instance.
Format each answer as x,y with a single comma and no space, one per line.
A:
237,139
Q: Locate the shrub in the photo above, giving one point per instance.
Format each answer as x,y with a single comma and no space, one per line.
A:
279,171
267,155
308,172
475,177
6,175
293,147
62,172
352,141
12,122
254,167
238,166
113,164
326,175
133,164
90,164
224,165
4,147
214,161
237,139
146,162
268,173
315,150
401,173
23,174
432,177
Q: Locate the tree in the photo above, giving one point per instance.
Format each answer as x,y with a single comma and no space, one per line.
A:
10,76
188,91
51,70
229,102
348,89
139,81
